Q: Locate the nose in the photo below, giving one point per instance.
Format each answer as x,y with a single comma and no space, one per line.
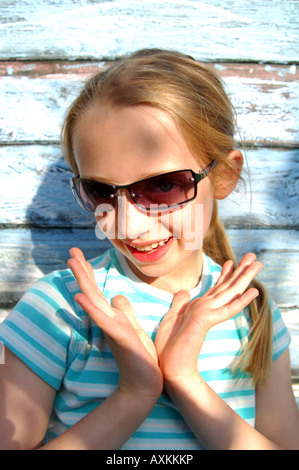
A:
131,221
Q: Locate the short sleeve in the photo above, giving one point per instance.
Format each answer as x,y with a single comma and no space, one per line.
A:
39,329
281,336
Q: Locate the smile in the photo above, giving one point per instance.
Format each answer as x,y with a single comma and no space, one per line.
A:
152,252
151,247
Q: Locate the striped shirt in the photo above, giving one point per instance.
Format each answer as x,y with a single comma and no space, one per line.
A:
51,333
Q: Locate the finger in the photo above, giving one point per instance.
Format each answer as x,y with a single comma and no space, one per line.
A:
246,261
98,315
77,254
238,304
172,320
228,276
236,287
91,274
246,275
226,272
179,303
123,304
86,286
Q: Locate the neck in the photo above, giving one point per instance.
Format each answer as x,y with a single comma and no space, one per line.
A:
185,277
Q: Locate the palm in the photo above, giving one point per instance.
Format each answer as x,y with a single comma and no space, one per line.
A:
132,348
184,327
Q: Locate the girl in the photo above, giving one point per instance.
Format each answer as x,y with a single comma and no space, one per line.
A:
162,342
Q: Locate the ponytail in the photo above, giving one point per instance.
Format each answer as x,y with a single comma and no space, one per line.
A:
256,354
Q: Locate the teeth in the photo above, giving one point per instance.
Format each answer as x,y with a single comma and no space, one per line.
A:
150,247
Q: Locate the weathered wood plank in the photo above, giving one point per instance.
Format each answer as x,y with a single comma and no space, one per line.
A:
214,30
83,69
270,196
278,250
265,99
35,190
26,255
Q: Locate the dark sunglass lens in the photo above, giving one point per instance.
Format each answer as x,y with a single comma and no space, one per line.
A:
168,189
93,193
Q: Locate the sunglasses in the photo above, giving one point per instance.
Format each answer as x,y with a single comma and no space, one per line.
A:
160,193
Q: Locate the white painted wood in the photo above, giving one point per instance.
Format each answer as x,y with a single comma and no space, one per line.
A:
35,190
278,250
209,30
27,255
265,100
269,197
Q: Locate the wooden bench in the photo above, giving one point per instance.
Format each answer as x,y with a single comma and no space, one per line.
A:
48,48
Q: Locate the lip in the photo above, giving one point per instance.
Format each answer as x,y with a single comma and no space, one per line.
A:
150,256
146,243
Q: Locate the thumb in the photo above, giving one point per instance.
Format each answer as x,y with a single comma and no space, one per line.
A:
123,304
172,320
179,303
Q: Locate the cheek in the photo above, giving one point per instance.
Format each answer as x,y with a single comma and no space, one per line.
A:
105,219
190,224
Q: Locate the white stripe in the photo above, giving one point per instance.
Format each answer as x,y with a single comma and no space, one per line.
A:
220,345
215,363
222,386
34,355
40,336
46,310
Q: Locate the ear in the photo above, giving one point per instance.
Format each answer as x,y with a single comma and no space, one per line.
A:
226,183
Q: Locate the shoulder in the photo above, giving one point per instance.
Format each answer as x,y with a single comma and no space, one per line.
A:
62,283
47,326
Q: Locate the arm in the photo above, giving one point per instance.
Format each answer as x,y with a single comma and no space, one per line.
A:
179,341
28,400
26,405
108,426
217,426
213,422
277,415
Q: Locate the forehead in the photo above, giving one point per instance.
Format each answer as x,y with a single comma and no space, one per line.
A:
112,142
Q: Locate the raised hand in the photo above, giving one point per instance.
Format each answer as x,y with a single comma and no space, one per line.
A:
184,327
132,348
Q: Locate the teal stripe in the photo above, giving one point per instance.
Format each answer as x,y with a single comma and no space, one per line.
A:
217,335
223,374
92,377
246,413
238,393
37,346
215,355
164,435
17,347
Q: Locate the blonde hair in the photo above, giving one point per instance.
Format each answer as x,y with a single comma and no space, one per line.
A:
193,95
